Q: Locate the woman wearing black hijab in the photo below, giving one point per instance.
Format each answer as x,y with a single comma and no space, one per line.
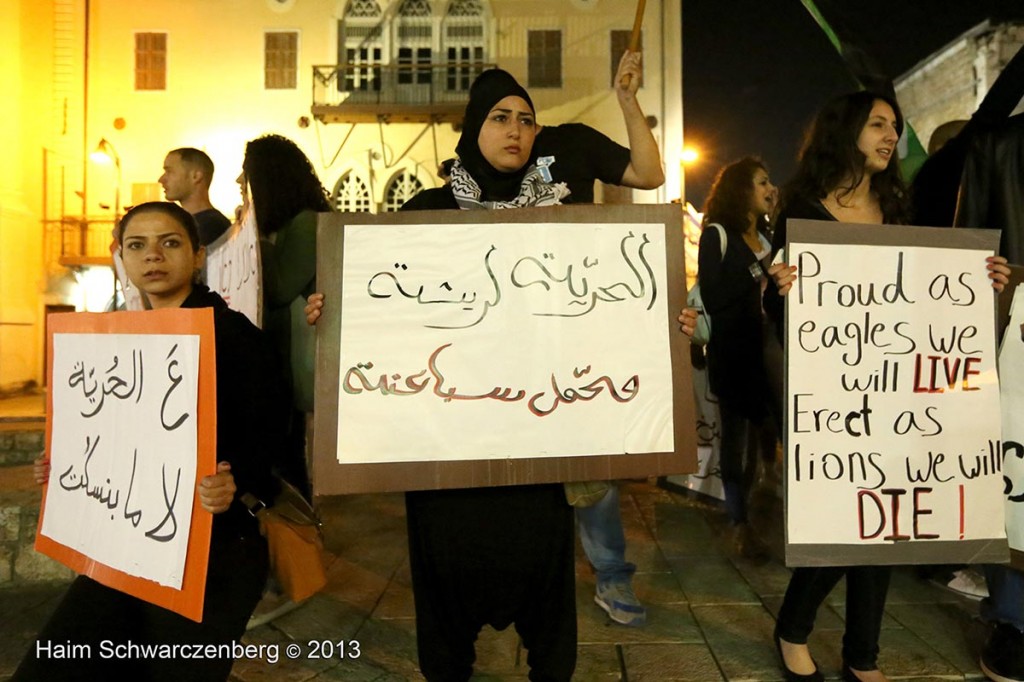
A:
493,556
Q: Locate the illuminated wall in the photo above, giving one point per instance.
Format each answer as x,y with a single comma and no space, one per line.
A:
24,29
215,99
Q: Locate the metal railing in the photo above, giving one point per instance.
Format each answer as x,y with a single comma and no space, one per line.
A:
413,84
77,238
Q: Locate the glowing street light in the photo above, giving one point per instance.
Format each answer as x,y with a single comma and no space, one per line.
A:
689,155
106,153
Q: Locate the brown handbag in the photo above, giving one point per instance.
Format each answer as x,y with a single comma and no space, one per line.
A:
292,529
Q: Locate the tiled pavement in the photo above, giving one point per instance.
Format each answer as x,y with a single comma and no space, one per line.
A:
710,616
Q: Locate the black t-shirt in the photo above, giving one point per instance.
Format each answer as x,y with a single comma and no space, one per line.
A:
576,154
212,224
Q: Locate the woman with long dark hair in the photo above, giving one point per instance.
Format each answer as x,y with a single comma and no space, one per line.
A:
732,279
279,184
848,172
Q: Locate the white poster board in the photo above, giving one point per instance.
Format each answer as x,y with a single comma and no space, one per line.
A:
459,333
893,422
123,450
233,268
483,348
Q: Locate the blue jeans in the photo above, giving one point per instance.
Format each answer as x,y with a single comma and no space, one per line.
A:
603,539
1005,603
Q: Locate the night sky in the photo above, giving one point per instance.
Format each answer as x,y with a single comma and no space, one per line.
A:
755,71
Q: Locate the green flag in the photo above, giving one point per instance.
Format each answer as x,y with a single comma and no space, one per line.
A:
911,152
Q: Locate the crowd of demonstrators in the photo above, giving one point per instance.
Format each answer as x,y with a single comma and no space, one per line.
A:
162,254
504,555
732,280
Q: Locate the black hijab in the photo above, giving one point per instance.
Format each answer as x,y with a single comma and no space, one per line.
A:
489,88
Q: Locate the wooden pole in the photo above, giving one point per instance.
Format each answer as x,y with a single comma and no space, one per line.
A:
634,41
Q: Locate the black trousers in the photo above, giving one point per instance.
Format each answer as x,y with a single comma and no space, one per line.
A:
493,556
102,618
866,589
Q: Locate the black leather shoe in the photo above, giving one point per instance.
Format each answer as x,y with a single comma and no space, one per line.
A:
791,676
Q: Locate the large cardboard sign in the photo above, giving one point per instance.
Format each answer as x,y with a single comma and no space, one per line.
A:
480,348
233,268
1011,386
131,429
893,422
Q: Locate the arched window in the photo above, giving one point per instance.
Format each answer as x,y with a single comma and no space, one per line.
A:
464,43
361,47
414,32
363,9
351,194
403,187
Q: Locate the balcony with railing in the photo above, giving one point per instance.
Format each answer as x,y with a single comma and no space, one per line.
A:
74,241
393,93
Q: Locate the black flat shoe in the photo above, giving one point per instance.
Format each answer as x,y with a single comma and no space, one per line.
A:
791,676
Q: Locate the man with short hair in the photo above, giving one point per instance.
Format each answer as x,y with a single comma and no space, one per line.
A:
188,173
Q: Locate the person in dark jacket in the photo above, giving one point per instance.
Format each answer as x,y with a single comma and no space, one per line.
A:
732,279
162,253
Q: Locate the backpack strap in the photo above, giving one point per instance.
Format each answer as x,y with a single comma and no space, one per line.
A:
723,238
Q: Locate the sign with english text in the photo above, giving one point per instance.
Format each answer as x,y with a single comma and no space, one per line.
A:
494,340
893,420
125,424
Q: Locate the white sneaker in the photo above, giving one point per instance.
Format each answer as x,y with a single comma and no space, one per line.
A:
969,583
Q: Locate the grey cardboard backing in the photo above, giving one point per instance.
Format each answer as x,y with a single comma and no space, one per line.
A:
919,552
330,477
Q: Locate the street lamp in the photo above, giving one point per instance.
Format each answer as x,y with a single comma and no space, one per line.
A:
105,153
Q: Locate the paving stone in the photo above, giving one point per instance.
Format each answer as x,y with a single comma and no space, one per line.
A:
907,588
944,627
389,645
396,602
658,588
321,617
740,637
597,663
684,532
769,579
657,662
496,653
352,583
712,580
904,654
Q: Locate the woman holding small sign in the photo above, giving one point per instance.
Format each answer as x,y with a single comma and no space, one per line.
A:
159,242
848,173
732,245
